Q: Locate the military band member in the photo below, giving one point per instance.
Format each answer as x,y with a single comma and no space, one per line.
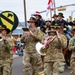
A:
5,52
54,59
72,48
31,58
12,40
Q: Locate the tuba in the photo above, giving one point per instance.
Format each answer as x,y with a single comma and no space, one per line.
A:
40,48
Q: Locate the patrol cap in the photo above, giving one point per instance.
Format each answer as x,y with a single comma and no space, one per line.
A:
32,19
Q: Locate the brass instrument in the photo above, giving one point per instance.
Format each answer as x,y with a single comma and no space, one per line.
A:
40,47
1,37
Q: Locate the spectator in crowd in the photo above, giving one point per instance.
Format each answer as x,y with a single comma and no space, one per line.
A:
65,25
48,24
40,22
55,21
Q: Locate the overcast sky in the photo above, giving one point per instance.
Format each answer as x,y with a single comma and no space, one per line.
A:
34,5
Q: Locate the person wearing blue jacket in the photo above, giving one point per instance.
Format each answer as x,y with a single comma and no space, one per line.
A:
40,22
67,28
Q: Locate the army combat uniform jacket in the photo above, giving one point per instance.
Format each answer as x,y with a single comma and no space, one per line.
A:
32,40
72,48
54,59
5,56
31,57
54,50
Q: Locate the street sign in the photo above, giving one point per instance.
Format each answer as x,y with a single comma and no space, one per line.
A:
9,20
57,8
61,8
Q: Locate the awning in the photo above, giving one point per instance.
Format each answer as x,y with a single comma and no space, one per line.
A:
17,32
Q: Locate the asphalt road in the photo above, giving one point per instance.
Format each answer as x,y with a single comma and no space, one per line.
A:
17,67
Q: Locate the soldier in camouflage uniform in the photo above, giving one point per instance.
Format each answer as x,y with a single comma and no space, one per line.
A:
54,59
5,49
31,58
10,38
72,48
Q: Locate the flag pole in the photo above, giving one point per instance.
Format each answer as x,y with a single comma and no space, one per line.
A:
51,14
54,7
24,1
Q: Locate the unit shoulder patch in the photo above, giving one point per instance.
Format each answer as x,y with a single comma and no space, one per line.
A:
64,39
40,32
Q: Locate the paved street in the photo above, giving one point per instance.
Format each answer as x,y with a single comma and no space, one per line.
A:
17,67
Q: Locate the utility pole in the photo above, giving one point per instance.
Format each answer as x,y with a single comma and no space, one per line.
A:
24,1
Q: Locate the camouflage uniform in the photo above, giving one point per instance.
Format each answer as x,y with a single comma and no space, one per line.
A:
10,39
5,55
72,48
31,58
54,59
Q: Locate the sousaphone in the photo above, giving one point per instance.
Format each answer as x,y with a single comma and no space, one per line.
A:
39,48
